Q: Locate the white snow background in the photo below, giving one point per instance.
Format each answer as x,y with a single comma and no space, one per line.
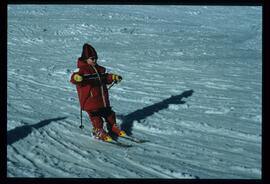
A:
192,80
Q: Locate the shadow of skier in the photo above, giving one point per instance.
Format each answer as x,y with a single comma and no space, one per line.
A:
138,115
23,131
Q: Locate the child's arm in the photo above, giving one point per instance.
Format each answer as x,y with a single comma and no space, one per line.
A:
79,78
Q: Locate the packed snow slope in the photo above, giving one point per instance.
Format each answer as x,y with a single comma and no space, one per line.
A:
192,80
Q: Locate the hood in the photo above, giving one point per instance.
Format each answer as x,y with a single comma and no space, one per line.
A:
88,51
81,63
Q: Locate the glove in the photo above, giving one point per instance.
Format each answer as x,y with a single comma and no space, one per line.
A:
116,78
78,78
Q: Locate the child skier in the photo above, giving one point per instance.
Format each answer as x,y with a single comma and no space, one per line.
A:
91,82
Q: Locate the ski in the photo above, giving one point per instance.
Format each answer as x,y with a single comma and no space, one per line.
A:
114,142
134,139
119,144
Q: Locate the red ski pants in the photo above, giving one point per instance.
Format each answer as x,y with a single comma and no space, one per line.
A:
97,117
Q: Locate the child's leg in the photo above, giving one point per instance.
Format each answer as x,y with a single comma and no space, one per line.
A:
98,130
111,119
96,120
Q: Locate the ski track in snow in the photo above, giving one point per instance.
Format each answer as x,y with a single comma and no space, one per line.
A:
191,86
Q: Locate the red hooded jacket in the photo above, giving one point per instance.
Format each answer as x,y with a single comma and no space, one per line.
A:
93,93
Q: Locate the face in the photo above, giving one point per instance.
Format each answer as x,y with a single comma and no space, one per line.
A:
91,61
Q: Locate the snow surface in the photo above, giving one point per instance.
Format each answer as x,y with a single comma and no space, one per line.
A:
192,80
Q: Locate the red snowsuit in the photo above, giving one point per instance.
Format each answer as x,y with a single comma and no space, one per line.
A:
93,93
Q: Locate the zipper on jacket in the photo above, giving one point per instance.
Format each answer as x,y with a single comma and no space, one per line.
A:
101,87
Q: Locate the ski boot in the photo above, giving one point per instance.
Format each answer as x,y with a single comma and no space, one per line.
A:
118,131
99,133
